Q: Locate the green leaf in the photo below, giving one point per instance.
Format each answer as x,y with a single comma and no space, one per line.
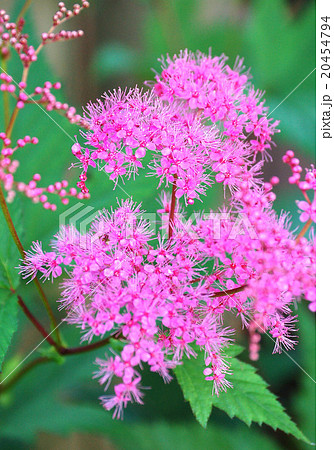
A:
184,436
234,350
195,389
249,400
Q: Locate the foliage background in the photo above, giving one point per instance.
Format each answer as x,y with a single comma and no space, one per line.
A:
56,406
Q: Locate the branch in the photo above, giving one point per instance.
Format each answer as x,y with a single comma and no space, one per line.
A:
229,292
85,348
61,350
23,10
304,229
45,359
36,323
172,209
10,223
5,94
19,245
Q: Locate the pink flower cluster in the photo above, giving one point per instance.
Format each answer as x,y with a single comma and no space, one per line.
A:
164,293
123,286
124,126
8,167
222,94
13,37
64,13
160,299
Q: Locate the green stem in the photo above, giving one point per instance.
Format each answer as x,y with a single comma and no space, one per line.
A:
303,230
23,371
11,122
23,10
19,245
16,110
10,223
172,209
36,323
54,324
230,291
10,126
59,348
85,348
63,351
5,98
43,359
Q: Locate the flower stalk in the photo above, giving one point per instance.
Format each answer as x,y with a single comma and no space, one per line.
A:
172,209
19,245
61,350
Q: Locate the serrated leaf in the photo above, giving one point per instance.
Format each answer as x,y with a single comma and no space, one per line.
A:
195,389
234,350
251,401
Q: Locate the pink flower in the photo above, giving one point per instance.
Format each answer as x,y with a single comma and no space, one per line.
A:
308,211
166,292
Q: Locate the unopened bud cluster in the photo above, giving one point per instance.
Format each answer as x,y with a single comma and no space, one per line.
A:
12,37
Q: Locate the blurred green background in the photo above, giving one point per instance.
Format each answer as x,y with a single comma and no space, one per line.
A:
56,406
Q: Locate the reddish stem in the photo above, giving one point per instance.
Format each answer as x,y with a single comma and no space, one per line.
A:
303,230
172,209
230,291
85,348
59,348
9,220
36,323
306,197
